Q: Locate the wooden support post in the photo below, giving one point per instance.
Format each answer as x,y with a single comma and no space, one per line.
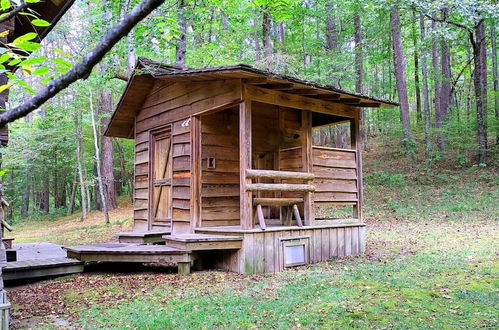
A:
195,173
246,207
184,268
261,219
356,143
308,205
296,213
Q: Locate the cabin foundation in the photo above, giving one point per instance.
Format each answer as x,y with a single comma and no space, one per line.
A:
227,167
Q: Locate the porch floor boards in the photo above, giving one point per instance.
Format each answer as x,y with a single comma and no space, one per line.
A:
40,260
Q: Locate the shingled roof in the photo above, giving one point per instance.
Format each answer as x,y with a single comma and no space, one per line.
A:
146,71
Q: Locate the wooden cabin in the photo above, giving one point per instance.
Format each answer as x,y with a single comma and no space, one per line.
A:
225,167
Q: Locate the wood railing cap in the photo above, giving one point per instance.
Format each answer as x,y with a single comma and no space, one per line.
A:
253,174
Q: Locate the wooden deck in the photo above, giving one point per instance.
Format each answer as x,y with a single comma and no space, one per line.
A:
39,268
40,260
128,252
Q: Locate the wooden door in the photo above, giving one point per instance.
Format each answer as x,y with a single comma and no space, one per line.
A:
161,179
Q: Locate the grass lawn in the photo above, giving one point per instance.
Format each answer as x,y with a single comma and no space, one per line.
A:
431,262
440,275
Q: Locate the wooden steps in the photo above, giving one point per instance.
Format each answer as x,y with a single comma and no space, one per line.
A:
38,268
145,237
200,242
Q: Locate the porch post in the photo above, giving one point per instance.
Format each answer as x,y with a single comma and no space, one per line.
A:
308,207
246,207
356,143
195,173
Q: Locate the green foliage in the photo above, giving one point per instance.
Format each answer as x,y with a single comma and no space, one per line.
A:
223,32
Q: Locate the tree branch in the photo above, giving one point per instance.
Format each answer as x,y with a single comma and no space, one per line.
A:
82,69
14,12
459,25
460,73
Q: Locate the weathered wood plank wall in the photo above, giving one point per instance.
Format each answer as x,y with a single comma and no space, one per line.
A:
262,252
172,105
335,175
220,185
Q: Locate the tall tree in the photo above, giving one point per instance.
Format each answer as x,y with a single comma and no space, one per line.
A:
479,44
331,27
106,109
435,61
181,45
417,88
399,63
359,70
98,161
79,163
495,75
445,88
267,41
426,93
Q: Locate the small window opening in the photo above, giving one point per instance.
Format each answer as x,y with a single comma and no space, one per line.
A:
211,163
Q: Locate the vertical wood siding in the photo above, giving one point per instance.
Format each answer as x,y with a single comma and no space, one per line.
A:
262,252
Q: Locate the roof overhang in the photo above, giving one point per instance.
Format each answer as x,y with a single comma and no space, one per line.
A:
147,71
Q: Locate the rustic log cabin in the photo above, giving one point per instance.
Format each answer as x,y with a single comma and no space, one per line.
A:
227,174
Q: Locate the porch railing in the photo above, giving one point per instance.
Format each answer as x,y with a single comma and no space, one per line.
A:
304,188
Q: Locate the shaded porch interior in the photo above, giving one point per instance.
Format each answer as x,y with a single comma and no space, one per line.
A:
287,170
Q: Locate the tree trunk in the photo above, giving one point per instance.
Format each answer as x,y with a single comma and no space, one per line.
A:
445,89
359,70
331,30
419,116
399,63
128,177
480,82
495,76
79,165
73,193
426,93
45,195
106,109
258,50
267,42
97,162
181,46
436,85
26,196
